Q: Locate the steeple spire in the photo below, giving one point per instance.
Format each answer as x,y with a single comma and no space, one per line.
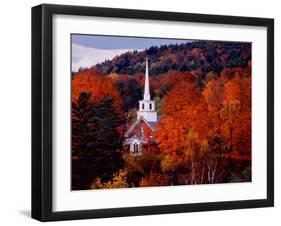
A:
147,106
146,95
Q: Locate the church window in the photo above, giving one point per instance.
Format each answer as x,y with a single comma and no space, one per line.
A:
142,131
136,148
150,106
142,106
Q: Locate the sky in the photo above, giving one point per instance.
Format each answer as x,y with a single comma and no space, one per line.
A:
88,50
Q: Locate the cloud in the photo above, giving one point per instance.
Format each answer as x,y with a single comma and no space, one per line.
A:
86,56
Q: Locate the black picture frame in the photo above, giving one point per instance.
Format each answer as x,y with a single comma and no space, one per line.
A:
42,111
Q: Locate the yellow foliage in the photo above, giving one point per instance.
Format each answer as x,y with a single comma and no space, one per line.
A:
118,181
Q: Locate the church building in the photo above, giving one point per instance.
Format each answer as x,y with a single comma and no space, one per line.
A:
140,135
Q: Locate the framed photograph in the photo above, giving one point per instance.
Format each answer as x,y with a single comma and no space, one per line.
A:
146,112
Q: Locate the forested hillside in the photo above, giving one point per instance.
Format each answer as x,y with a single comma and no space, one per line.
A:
202,55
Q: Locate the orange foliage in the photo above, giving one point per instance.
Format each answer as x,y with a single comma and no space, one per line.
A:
155,179
119,77
229,109
238,92
223,108
171,79
239,89
213,94
98,85
230,73
184,109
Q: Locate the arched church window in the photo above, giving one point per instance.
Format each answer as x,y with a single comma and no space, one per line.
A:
142,106
150,106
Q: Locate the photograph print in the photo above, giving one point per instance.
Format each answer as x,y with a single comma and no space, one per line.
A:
159,112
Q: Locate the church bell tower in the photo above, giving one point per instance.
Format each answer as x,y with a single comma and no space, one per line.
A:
147,106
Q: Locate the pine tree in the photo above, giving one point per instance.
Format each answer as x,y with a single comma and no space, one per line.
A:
108,140
82,137
96,142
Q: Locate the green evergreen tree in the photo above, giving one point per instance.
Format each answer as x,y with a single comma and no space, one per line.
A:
96,142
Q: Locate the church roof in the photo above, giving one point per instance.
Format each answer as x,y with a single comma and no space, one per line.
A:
150,124
153,124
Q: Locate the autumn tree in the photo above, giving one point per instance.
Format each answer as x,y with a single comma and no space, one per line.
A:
155,179
184,108
229,109
97,85
184,113
119,180
231,118
237,114
216,170
213,94
193,157
141,167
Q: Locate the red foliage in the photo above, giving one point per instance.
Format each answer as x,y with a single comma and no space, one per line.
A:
98,85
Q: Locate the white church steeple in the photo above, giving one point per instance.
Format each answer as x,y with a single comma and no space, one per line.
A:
147,106
146,94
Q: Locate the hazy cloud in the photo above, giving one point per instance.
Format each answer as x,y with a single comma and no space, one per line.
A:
86,56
